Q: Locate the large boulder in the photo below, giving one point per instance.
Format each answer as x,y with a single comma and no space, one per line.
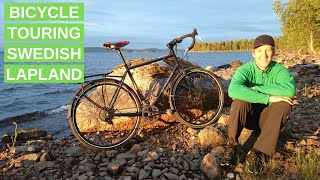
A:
211,137
149,79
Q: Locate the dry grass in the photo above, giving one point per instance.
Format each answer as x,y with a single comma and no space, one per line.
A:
296,166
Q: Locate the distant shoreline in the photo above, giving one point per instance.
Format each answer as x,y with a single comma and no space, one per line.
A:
101,49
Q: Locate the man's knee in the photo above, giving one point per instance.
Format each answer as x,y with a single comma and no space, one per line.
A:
281,106
281,109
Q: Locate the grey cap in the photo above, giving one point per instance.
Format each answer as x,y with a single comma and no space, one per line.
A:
263,40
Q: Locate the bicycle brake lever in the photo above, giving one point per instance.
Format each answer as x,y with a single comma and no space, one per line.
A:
200,38
186,51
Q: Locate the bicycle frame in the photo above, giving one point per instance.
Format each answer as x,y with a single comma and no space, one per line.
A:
142,99
148,61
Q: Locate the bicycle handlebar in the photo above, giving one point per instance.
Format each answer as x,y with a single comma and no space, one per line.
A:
174,42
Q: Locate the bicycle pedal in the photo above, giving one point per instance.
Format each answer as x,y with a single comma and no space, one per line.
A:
169,112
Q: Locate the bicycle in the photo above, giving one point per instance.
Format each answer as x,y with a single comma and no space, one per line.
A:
118,108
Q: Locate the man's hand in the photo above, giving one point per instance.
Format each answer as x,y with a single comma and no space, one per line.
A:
274,99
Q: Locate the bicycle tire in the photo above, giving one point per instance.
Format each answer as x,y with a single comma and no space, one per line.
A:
197,98
89,122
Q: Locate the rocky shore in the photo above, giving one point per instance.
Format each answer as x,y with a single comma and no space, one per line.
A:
173,152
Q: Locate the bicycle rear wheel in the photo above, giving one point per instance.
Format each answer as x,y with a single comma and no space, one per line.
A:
197,98
97,124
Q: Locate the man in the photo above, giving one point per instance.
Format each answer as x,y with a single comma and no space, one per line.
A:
262,90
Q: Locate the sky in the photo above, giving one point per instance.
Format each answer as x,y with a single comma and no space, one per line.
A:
153,23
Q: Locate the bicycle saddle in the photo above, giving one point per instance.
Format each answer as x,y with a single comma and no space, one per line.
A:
116,45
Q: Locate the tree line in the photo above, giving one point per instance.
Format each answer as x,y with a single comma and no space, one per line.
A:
300,26
233,45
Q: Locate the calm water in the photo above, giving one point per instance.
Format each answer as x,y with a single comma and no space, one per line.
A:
21,99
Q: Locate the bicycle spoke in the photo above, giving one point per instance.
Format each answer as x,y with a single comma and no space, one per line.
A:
97,126
194,98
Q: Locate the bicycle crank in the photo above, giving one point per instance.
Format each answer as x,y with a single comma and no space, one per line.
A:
150,113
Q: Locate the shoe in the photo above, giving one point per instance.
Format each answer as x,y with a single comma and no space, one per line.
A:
229,157
255,162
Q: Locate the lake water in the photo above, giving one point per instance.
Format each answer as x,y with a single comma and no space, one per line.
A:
25,101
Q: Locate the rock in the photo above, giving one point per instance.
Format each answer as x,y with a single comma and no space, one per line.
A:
43,165
171,176
238,177
174,147
142,135
210,167
116,166
69,162
303,142
160,150
226,76
156,173
217,151
230,175
87,166
147,159
74,151
143,153
192,131
125,178
26,134
154,155
127,155
174,170
183,177
48,156
211,137
111,153
20,149
6,138
310,142
224,119
2,163
135,148
236,64
195,164
239,169
289,146
82,177
143,174
133,169
186,165
209,68
30,157
34,149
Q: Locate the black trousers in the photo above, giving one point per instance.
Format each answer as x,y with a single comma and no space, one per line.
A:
268,119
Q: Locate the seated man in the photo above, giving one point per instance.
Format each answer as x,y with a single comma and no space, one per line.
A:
262,90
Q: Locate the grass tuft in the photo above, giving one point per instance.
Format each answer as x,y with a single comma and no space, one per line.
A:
296,166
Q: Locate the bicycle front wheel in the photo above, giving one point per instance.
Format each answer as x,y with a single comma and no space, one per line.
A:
197,98
97,123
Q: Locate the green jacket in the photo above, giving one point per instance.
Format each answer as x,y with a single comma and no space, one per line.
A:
275,81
